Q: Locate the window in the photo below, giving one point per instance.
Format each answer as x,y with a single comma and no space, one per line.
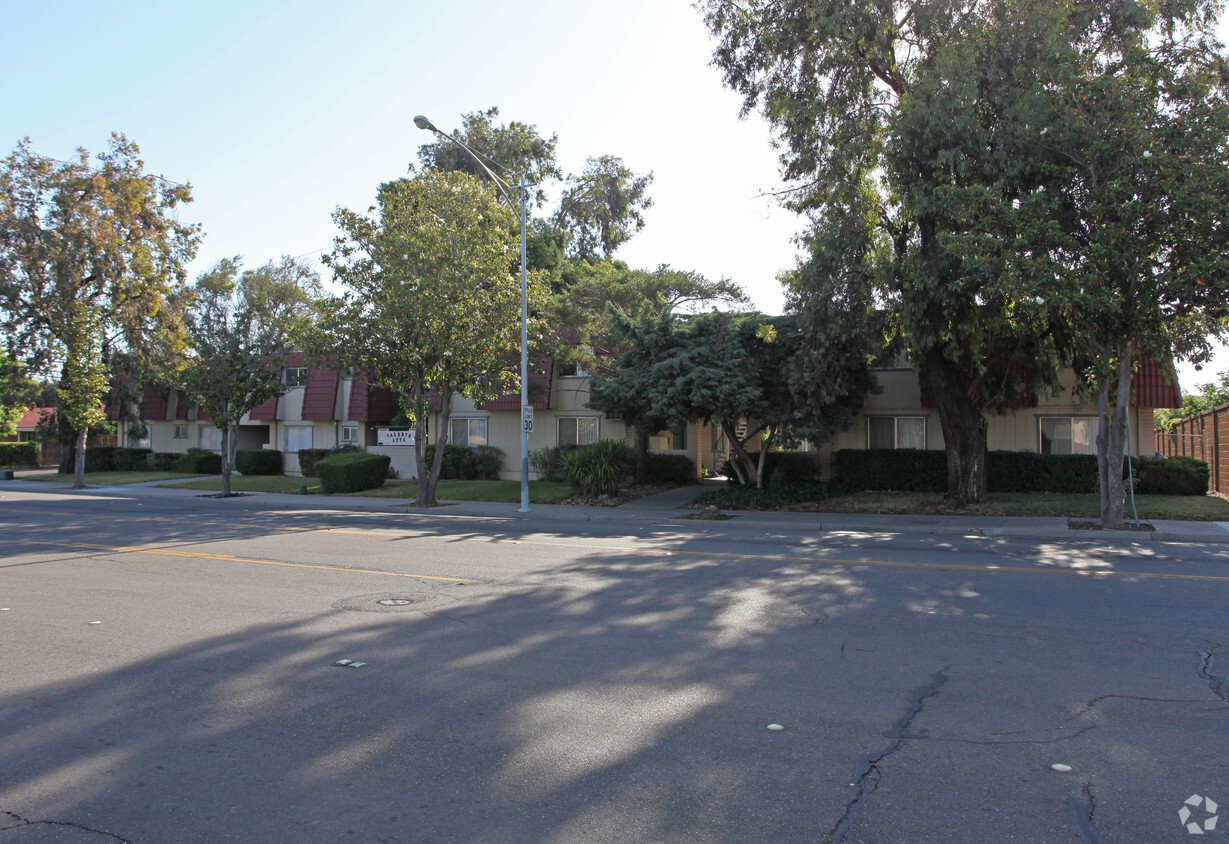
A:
669,440
349,434
577,430
896,432
208,437
1068,434
181,432
295,376
466,430
571,370
298,437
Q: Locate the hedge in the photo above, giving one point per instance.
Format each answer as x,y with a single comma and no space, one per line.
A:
308,458
100,458
199,462
129,459
258,461
782,467
19,454
670,469
162,461
463,463
774,497
352,472
1170,476
911,470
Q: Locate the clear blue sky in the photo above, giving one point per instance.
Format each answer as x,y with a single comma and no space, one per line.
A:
279,112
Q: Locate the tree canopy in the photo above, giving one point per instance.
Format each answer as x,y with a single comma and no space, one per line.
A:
242,326
91,259
603,207
430,307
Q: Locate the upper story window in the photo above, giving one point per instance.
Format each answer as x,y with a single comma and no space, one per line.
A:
294,376
571,370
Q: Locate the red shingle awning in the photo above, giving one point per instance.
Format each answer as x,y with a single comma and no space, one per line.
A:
1152,387
266,412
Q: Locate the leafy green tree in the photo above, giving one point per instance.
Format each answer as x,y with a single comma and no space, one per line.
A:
242,327
91,260
603,207
879,109
17,392
1211,394
1121,233
430,307
514,151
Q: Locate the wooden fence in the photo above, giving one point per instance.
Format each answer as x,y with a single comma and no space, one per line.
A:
1205,437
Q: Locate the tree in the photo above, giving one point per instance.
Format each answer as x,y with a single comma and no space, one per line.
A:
17,393
731,369
430,308
1122,234
602,207
515,152
242,328
91,260
878,107
1212,394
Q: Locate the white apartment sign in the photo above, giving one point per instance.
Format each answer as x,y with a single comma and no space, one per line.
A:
394,436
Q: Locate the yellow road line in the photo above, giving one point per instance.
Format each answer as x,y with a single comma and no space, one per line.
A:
989,568
168,552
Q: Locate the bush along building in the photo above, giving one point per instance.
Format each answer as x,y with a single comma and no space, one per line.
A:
322,409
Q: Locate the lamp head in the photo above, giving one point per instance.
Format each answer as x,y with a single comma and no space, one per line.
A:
423,123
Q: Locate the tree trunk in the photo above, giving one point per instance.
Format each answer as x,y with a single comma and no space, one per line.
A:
741,456
428,484
228,460
1112,442
964,431
79,461
642,454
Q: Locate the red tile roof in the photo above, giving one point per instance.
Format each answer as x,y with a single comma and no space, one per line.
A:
1152,387
32,417
320,395
153,406
539,392
266,412
370,403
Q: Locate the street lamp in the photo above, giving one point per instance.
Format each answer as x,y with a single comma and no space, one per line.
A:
526,409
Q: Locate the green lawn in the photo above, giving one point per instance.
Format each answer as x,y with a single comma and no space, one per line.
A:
106,478
1196,508
540,492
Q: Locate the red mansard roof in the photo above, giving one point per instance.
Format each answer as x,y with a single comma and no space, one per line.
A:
539,392
153,406
320,395
370,403
266,412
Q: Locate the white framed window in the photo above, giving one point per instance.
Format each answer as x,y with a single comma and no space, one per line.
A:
467,430
577,430
571,370
1067,434
896,432
669,440
208,437
349,434
294,376
298,437
181,432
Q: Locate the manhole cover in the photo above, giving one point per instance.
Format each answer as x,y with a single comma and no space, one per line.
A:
395,602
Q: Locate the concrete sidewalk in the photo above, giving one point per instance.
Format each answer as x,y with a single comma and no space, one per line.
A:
670,509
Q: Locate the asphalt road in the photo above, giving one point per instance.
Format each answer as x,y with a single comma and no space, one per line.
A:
167,675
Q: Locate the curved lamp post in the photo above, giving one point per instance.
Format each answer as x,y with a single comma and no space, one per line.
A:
526,409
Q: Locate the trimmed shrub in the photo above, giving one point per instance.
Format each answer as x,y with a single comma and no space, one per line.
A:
897,469
130,459
1170,476
352,472
671,469
1069,473
19,454
600,468
100,458
258,461
547,463
1012,471
776,497
162,461
198,461
462,463
309,457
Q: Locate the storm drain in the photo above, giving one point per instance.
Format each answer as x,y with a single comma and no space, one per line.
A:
396,602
